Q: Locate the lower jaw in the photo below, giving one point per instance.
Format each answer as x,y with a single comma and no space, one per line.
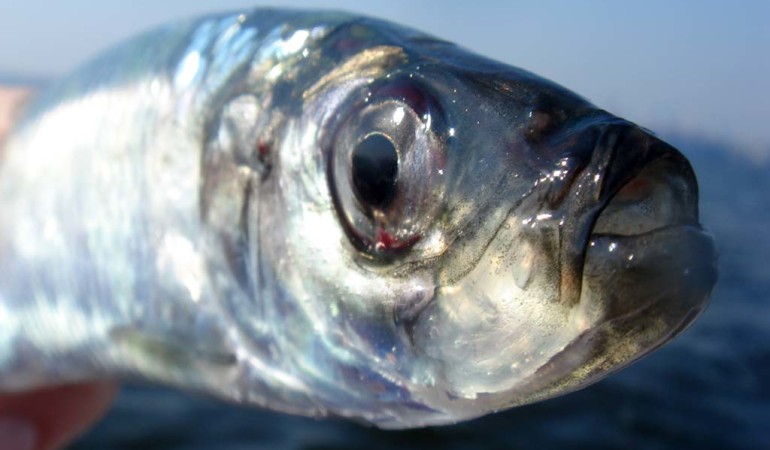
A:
638,292
603,349
673,266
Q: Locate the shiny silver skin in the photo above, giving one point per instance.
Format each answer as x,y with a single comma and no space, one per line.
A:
181,211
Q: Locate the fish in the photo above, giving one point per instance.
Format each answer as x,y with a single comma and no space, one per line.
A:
328,214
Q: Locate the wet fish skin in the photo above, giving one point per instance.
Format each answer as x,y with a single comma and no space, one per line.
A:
182,210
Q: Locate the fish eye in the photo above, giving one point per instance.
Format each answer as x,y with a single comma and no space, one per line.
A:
374,169
386,168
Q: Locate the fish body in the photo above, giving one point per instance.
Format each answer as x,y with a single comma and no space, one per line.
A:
322,213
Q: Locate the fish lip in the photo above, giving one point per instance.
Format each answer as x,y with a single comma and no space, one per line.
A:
674,187
618,151
685,277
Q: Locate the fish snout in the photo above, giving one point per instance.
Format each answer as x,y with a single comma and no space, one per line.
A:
647,257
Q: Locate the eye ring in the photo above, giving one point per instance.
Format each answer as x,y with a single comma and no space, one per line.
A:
374,166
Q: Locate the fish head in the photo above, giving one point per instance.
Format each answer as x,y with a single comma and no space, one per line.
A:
451,236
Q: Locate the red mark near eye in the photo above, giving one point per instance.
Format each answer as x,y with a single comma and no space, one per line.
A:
386,242
263,149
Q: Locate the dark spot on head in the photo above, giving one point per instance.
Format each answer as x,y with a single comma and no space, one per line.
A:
538,124
263,150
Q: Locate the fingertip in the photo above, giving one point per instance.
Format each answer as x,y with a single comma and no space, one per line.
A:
55,415
17,434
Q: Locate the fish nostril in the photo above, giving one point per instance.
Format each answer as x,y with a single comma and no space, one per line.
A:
662,194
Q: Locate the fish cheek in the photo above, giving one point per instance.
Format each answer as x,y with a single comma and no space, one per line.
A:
496,325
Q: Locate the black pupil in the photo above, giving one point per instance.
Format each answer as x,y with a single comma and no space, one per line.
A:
375,167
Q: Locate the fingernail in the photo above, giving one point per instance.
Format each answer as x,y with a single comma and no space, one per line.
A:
17,434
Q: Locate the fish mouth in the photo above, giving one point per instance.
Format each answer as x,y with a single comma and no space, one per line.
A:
646,244
648,264
638,218
639,291
625,182
648,261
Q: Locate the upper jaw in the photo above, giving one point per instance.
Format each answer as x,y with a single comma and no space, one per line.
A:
646,228
624,181
646,266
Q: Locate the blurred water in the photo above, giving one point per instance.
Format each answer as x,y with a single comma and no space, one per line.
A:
707,389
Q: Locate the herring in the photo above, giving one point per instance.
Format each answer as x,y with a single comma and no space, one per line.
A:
327,214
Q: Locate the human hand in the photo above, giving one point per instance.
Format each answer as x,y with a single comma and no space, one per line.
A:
11,99
49,418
